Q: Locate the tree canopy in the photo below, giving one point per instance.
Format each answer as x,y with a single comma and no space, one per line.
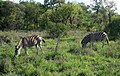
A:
31,15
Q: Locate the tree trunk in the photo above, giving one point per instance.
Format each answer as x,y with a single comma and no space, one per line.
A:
58,39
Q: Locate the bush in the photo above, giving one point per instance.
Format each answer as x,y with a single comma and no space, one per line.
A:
6,65
114,29
56,29
74,49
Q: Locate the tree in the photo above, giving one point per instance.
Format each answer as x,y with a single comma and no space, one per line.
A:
113,28
53,3
56,30
103,11
67,14
84,20
33,12
11,15
110,9
59,19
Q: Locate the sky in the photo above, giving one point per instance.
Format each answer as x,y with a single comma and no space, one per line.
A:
87,2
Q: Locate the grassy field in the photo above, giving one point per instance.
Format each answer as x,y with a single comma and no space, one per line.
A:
68,60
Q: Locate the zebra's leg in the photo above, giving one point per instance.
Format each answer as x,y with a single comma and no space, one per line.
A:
91,43
26,52
36,49
102,43
41,48
18,53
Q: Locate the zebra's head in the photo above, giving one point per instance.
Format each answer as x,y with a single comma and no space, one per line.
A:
18,47
83,44
16,50
85,40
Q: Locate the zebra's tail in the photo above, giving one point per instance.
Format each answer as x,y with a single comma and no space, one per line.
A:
43,40
107,39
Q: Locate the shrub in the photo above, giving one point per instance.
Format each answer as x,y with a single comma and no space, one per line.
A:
56,29
6,65
113,29
75,49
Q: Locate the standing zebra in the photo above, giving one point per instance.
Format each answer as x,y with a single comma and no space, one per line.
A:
34,40
101,36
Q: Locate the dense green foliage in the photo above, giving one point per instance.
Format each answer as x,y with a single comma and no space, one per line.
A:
114,29
69,60
30,15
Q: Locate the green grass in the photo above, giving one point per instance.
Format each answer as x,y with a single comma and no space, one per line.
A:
69,60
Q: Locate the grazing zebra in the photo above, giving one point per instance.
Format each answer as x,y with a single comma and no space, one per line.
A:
101,36
34,40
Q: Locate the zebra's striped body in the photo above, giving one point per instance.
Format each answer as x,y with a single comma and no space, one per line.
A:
102,36
34,40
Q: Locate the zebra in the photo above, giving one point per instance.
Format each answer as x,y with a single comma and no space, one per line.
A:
92,37
33,40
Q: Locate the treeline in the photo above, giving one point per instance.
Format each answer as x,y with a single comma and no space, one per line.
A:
56,16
